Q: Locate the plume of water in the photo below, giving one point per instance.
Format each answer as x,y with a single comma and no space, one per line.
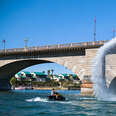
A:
98,71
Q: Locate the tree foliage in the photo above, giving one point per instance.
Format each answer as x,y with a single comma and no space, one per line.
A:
13,81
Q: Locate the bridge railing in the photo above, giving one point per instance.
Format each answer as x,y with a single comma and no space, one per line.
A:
81,44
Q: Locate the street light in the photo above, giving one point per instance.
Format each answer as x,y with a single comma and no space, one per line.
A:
25,42
4,41
95,29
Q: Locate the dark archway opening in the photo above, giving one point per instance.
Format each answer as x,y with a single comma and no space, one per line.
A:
112,86
9,70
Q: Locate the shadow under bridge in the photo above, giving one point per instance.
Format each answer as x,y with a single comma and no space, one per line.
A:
9,70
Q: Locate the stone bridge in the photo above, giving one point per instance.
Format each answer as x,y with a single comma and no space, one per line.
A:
77,57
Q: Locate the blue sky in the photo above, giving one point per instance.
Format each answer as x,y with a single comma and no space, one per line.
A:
48,22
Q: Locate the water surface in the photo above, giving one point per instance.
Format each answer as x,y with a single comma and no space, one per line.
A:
35,103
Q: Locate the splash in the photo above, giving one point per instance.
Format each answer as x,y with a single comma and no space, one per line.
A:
37,99
98,71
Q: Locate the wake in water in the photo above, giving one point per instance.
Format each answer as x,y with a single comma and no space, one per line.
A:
37,99
98,72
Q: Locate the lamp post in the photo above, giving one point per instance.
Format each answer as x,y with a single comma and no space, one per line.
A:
25,42
4,41
95,29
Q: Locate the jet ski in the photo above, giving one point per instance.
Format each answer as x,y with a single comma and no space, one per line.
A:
56,98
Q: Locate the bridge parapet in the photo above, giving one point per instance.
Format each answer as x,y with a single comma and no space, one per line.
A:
58,46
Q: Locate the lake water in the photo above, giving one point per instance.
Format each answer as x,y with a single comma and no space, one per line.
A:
35,103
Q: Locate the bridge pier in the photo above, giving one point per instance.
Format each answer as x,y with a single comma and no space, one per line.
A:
87,87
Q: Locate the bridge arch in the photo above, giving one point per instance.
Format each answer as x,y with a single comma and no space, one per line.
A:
13,67
112,86
10,68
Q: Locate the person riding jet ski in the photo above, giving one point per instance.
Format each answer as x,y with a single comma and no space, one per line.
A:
56,96
53,92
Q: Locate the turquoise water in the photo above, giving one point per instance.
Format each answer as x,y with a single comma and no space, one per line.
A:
35,103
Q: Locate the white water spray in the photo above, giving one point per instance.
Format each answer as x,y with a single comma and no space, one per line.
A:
98,71
37,99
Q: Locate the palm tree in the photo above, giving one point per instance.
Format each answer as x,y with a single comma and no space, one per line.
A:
52,72
49,73
13,81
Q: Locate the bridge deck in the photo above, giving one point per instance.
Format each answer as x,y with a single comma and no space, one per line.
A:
32,51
